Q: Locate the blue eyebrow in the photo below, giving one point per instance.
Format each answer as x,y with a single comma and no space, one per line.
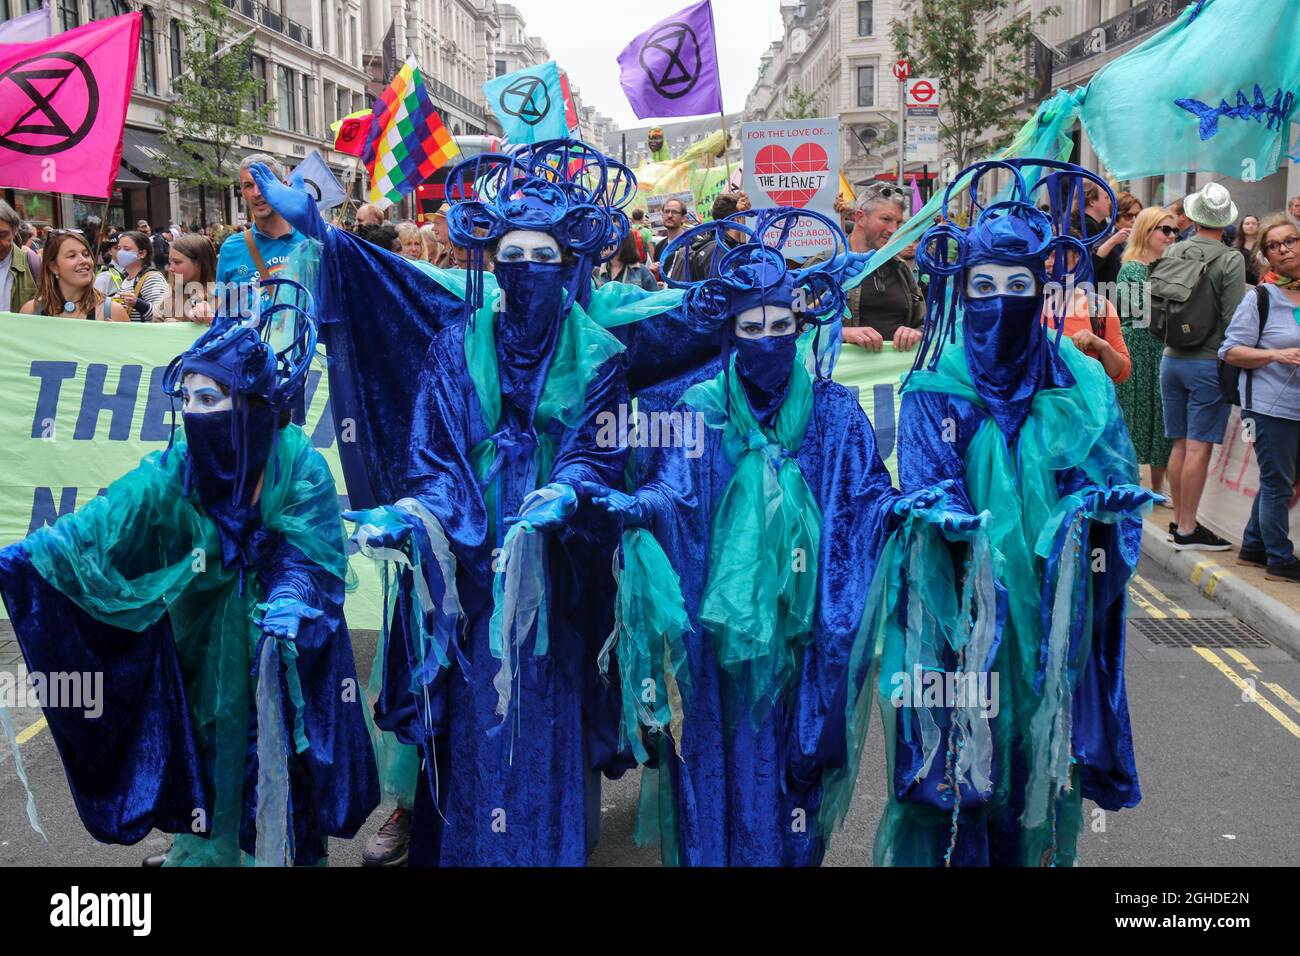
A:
982,275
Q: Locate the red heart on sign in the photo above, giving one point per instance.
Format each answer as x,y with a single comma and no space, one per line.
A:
808,160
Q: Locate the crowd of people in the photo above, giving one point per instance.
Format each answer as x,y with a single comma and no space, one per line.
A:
768,579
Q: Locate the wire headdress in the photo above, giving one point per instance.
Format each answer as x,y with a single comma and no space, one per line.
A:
265,357
562,187
1009,231
751,269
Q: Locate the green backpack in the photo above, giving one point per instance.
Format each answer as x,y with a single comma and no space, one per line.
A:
1184,308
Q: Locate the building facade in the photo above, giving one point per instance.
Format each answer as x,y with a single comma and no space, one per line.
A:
835,59
1086,35
308,55
453,42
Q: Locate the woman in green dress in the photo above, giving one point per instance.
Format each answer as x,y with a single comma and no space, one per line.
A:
1154,231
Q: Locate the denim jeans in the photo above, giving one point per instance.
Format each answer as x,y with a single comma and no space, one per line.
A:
1277,452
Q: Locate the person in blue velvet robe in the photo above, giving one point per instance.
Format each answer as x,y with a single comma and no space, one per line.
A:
772,522
1024,425
484,402
207,587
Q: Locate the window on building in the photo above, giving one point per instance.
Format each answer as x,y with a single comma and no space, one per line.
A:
259,72
285,105
306,104
501,67
69,14
148,64
103,9
177,45
866,83
324,24
866,17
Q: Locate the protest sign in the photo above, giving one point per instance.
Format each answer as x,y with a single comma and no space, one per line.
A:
794,163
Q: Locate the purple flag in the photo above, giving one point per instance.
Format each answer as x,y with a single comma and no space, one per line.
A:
672,68
28,28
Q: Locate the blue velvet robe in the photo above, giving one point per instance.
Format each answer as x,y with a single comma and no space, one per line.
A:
148,760
988,831
745,796
414,413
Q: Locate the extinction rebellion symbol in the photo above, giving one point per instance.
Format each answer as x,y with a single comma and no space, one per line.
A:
43,130
671,60
527,98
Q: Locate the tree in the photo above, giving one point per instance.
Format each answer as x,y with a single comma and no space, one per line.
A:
801,105
218,99
981,75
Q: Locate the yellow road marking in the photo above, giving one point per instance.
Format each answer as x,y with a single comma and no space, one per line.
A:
1160,596
1285,696
1199,568
1146,605
1242,659
31,731
1250,692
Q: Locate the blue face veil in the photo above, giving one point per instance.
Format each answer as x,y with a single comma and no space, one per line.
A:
262,362
749,270
1010,353
564,189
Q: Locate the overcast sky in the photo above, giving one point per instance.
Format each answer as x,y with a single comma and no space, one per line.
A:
585,38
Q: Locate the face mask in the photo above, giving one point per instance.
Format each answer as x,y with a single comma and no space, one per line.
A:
534,295
1005,354
223,478
127,259
764,367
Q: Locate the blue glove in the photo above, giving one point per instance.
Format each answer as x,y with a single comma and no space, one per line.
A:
929,500
631,511
282,617
1123,499
293,202
547,508
393,528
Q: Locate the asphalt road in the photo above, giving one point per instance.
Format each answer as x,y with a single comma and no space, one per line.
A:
1218,762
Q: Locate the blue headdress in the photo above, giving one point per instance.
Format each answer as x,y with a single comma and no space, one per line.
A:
1009,231
265,357
562,187
752,270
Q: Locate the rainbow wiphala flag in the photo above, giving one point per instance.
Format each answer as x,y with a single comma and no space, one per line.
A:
408,140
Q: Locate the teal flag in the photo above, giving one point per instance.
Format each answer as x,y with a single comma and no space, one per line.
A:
529,103
1215,91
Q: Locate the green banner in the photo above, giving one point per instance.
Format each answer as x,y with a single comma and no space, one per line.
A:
84,403
876,376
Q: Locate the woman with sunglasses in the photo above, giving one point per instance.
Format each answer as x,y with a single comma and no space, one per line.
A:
66,284
1154,231
1269,356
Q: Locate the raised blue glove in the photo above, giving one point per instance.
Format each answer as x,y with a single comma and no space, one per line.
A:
1123,499
293,202
630,510
382,527
282,617
547,508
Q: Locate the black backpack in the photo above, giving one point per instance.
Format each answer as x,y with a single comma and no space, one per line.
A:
1230,375
1184,308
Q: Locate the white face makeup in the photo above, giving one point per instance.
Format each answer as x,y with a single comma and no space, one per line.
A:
519,245
201,395
761,321
991,278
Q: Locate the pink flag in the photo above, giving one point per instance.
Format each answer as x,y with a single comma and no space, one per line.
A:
916,196
63,105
